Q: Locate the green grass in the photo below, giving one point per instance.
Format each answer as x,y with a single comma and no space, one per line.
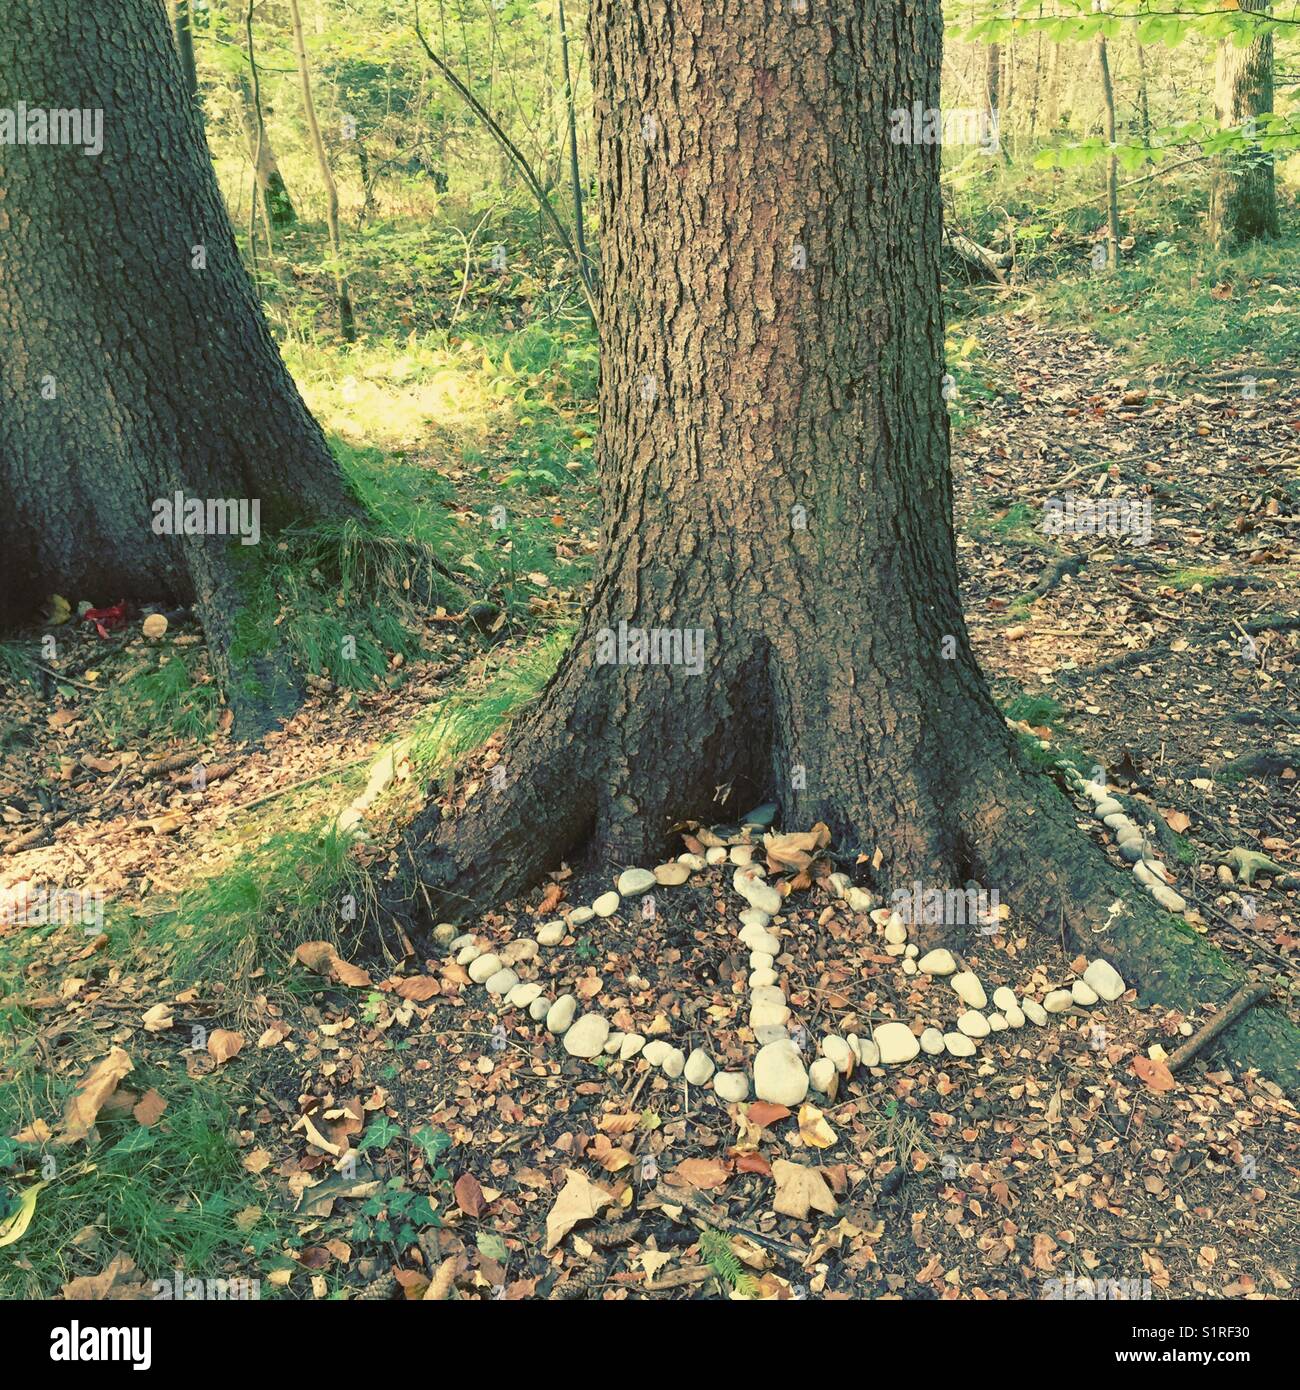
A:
166,1196
285,884
1035,710
1179,303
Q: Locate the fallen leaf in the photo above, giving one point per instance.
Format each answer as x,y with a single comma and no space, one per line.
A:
469,1195
800,1189
149,1108
223,1045
704,1173
813,1128
90,1096
1154,1074
579,1200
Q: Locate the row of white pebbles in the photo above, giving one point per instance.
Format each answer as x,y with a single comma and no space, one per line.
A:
1149,871
779,1073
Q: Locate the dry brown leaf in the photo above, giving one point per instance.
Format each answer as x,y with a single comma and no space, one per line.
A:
149,1108
579,1200
443,1282
704,1173
118,1282
813,1128
764,1114
317,956
418,988
158,1019
223,1045
800,1189
348,974
1153,1074
469,1195
89,1098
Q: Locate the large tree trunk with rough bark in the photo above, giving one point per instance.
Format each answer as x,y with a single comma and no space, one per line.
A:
136,362
777,496
1243,197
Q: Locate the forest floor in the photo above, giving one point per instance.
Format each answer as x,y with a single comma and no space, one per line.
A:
1046,1158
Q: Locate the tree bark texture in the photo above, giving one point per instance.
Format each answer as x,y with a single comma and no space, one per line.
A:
136,362
1243,195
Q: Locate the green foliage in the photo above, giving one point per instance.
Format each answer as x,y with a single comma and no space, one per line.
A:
715,1246
166,1196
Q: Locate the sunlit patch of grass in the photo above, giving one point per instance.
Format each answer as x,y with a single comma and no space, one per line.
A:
174,700
1038,711
1180,303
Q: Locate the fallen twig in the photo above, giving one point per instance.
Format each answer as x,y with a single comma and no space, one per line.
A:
1244,998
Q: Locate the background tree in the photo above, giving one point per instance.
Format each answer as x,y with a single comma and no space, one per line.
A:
1243,198
137,362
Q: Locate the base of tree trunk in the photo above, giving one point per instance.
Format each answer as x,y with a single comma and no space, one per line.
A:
1015,831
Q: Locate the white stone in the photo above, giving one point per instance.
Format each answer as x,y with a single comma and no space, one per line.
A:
869,1053
692,861
895,931
741,854
838,884
761,960
674,1062
973,1024
539,1008
482,968
523,994
997,1023
560,1015
632,1044
502,982
1143,874
613,1044
580,916
897,1043
859,900
765,976
672,875
731,1086
1083,993
762,896
779,1075
909,967
823,1077
838,1052
1034,1012
1105,980
938,962
468,953
656,1050
1015,1017
969,990
959,1045
1004,999
631,882
913,950
759,940
552,933
894,948
752,917
586,1037
606,905
465,939
699,1067
767,994
931,1041
769,1016
715,855
1057,1001
770,1032
1167,898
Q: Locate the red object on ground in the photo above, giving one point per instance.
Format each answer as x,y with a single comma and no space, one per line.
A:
106,618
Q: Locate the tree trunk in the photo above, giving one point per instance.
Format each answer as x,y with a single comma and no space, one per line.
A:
1052,97
993,80
776,488
270,182
183,28
342,290
136,360
1144,99
1243,198
1112,162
